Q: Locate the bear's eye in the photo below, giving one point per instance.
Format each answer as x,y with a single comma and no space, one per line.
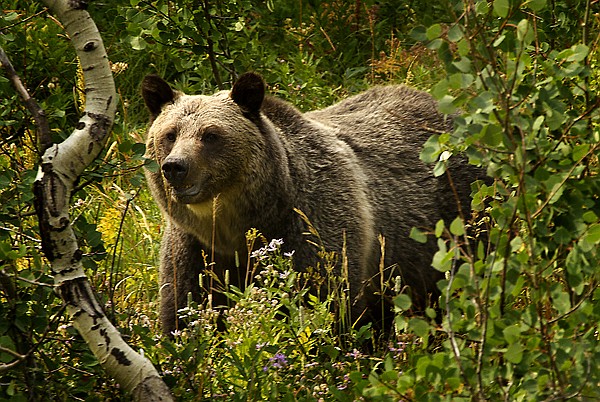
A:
210,136
171,136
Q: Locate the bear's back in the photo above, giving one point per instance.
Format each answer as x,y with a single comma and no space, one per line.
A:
386,128
397,116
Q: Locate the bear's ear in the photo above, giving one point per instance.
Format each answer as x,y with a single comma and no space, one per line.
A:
249,92
157,93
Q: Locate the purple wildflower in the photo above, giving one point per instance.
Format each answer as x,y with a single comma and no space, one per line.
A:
355,354
397,351
345,383
277,361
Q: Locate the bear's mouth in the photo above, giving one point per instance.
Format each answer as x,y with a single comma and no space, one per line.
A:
193,190
185,193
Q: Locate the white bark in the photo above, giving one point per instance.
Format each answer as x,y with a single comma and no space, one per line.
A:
60,167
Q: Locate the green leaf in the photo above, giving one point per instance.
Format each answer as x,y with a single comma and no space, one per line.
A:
139,148
419,327
137,43
446,105
151,165
10,391
400,323
434,31
575,53
580,52
482,7
439,90
463,47
590,217
439,168
403,302
454,383
512,333
455,33
418,236
463,65
457,227
7,343
5,250
561,300
579,151
435,44
431,150
460,80
442,259
536,5
499,40
501,8
525,33
491,135
419,33
422,365
555,186
439,228
11,16
591,238
537,124
514,353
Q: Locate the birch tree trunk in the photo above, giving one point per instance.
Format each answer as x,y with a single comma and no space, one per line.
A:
60,167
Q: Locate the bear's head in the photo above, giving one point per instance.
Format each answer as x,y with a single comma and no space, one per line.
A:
204,145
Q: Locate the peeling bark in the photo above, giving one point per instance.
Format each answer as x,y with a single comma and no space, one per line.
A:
60,166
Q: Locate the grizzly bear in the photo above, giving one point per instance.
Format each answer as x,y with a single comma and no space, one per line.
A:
239,159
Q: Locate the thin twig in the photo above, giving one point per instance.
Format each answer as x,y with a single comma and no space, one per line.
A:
18,359
210,46
30,281
39,115
555,190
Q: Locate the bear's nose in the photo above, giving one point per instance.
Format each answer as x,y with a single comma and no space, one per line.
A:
175,171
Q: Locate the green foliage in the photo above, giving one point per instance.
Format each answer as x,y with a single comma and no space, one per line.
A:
518,317
520,320
310,54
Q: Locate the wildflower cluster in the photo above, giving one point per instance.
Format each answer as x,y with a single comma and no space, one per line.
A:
202,321
264,252
249,313
275,269
276,362
398,350
118,67
275,334
324,379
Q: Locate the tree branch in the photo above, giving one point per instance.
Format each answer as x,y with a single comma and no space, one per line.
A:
18,359
60,167
39,115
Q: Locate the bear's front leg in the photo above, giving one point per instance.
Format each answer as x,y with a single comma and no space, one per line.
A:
180,265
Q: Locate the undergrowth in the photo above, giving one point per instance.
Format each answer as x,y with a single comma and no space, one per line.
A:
519,316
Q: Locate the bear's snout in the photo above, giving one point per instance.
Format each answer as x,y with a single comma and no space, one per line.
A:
175,171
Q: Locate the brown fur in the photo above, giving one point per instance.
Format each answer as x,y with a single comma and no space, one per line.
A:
352,168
